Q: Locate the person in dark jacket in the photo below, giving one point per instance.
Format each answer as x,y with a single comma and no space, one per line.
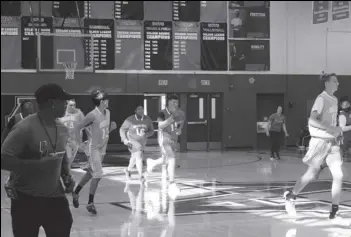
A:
345,124
34,153
26,109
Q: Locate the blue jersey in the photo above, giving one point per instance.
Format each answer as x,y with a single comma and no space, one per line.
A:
171,131
137,129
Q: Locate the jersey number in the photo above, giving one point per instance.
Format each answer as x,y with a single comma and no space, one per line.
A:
174,126
69,124
139,131
105,133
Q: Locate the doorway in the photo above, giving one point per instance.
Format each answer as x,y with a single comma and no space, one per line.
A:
204,121
266,105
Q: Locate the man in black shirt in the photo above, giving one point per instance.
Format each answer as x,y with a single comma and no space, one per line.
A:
34,152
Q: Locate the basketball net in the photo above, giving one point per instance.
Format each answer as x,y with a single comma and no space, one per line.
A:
70,67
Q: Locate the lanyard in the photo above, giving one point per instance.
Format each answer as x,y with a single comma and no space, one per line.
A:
47,134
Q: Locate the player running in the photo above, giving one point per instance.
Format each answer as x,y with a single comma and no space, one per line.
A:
324,148
134,133
170,124
73,116
100,127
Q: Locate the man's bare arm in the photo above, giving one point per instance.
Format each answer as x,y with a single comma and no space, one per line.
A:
164,123
314,121
123,131
89,119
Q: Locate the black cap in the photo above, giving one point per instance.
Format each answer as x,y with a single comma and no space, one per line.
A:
51,92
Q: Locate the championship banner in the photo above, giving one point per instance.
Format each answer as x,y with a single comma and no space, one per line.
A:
340,10
320,11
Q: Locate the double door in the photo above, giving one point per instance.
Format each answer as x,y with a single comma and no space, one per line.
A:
204,121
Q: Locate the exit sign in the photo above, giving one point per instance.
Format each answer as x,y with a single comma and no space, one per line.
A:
163,82
205,82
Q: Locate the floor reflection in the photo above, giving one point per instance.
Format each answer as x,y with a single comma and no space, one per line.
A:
150,206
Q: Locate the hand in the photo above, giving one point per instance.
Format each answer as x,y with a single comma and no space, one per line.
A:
286,135
178,115
69,184
113,126
126,142
267,133
178,132
142,132
171,119
336,131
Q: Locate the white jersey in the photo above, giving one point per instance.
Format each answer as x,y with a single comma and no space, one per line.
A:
99,127
71,120
327,106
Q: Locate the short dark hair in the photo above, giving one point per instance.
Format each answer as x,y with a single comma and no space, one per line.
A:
98,96
173,97
325,77
24,102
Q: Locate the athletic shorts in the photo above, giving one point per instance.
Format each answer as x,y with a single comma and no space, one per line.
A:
321,152
95,162
136,147
71,150
86,147
168,149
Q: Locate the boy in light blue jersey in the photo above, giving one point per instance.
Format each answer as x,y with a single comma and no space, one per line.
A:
72,118
134,133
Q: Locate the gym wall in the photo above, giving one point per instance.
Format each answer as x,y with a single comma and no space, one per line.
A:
299,52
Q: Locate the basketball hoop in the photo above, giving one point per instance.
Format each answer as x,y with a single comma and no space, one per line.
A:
70,67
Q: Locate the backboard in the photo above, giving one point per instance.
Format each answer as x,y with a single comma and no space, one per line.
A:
54,49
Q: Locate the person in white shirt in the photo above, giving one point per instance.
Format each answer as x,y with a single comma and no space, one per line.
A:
324,149
73,116
236,24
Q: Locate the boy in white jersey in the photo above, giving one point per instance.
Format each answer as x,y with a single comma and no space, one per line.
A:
170,124
72,117
100,127
134,133
324,148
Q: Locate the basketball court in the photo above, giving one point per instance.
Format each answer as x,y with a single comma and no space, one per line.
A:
130,49
222,194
